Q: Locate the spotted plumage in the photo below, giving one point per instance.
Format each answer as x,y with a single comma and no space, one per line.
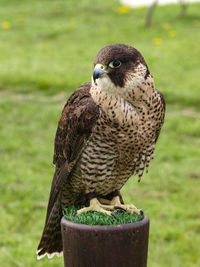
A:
107,132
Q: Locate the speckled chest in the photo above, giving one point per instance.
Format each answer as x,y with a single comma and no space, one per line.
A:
121,136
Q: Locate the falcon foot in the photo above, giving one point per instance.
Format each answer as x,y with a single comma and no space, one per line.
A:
116,205
95,205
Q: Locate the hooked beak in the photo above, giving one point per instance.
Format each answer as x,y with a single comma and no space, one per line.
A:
99,71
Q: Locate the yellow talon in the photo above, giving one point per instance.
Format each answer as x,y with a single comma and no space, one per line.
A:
115,204
95,205
101,205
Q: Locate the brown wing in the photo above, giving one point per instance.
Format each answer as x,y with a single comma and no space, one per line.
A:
162,110
78,118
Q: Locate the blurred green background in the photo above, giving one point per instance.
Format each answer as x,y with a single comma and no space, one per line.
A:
47,50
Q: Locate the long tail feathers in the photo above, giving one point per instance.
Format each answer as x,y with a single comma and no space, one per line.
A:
51,241
49,255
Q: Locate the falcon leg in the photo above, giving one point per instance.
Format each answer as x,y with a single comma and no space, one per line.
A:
115,204
107,206
95,205
108,198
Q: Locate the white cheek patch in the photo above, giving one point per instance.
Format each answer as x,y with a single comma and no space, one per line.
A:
136,78
105,84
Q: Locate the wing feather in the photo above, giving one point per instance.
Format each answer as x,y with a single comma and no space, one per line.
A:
78,118
163,107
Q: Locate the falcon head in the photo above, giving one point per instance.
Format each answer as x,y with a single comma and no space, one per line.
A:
119,66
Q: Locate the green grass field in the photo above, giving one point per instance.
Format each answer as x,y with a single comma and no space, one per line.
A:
47,50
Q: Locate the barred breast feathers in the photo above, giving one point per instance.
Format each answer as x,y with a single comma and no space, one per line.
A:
141,108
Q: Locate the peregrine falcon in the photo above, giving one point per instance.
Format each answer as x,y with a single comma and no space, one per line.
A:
107,132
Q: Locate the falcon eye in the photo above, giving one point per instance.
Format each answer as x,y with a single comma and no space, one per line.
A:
115,64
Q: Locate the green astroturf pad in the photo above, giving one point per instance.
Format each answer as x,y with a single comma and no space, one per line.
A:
98,218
